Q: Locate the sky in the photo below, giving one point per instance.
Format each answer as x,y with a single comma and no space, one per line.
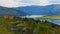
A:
17,3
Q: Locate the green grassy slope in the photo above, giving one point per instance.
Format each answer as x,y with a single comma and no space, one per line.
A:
4,26
51,17
27,26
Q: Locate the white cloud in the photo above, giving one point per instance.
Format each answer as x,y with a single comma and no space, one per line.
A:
40,2
8,3
16,3
11,3
55,1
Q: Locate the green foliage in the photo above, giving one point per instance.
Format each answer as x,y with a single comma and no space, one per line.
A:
27,26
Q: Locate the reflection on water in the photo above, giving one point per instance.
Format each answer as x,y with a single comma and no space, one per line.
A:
55,21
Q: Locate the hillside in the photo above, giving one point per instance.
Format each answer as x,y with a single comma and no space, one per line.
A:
53,9
10,11
31,10
20,26
56,17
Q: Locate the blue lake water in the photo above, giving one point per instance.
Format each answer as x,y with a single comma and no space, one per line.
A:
55,21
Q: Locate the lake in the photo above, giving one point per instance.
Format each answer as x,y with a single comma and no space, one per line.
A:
55,21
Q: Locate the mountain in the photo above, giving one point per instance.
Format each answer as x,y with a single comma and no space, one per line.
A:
31,10
41,10
11,12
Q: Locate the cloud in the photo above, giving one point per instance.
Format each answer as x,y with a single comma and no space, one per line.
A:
55,1
37,2
42,2
11,3
16,3
8,3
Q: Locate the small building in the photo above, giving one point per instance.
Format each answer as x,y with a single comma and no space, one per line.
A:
9,17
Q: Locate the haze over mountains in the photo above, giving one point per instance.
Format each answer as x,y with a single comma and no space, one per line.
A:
11,12
41,10
31,10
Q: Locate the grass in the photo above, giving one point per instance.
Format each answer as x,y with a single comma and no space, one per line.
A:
29,26
56,17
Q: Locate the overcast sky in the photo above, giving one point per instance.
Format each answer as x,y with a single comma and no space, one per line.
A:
16,3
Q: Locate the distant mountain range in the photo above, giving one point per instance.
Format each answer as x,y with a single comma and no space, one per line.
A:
11,12
31,10
41,10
